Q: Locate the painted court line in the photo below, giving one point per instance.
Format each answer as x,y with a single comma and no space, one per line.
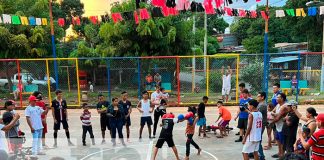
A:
149,153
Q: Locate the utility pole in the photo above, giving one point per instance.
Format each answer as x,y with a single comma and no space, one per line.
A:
266,54
193,69
53,44
205,44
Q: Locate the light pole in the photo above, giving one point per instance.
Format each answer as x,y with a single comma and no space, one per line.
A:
266,54
317,3
53,44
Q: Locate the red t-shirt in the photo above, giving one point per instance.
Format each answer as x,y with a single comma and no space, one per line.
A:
226,114
317,143
41,104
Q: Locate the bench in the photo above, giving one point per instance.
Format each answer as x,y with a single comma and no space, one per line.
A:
28,89
166,86
302,86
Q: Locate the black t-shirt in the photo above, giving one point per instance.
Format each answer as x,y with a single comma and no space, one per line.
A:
167,128
125,105
291,130
103,106
201,110
59,109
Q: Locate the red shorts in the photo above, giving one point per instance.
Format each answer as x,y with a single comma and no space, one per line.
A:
45,127
223,123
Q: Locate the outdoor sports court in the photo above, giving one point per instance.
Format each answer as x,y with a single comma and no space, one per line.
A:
213,148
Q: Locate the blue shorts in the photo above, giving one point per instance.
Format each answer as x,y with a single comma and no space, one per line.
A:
280,137
201,122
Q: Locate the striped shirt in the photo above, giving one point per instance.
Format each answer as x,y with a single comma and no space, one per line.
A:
85,118
317,143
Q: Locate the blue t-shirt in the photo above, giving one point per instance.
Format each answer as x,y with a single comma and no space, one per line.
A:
243,114
274,98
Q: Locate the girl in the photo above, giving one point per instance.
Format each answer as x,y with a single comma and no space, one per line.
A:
117,119
269,126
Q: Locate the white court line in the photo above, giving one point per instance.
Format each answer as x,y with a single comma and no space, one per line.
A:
149,153
89,155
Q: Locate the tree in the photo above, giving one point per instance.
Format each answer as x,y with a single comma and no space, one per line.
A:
215,24
256,45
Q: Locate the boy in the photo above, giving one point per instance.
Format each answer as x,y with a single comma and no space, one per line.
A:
155,99
6,128
145,107
41,103
86,124
201,116
60,115
226,116
253,135
190,130
166,135
102,106
242,114
127,105
165,95
33,114
298,147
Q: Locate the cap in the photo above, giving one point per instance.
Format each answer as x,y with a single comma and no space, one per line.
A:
320,117
292,103
32,98
9,103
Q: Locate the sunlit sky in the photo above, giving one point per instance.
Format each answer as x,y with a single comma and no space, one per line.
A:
97,7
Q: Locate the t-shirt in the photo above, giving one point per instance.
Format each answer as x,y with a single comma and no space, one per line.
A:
157,78
190,129
149,79
42,105
226,114
146,107
274,98
201,110
156,98
317,143
263,108
227,81
34,113
7,117
3,141
126,105
85,118
243,102
102,106
59,109
292,128
167,128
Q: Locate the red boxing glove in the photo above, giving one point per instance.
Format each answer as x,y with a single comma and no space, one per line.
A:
189,115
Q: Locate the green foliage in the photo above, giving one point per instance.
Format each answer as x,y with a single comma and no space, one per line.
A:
253,75
215,24
256,45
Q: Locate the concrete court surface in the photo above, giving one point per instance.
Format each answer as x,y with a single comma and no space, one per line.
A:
213,148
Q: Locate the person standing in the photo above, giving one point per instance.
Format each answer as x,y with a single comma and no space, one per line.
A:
148,82
102,106
86,124
190,131
155,99
127,106
226,87
263,109
243,115
201,117
253,134
116,116
7,128
33,115
157,79
276,92
145,107
41,103
309,119
60,115
289,129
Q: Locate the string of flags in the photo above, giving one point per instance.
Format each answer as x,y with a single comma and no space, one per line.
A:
161,10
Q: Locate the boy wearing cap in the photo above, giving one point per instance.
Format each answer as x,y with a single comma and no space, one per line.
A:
33,115
316,141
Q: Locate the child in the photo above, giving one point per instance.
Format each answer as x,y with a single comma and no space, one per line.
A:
15,143
145,107
86,124
201,116
33,115
299,149
165,95
127,105
190,130
168,121
226,116
6,128
269,126
242,115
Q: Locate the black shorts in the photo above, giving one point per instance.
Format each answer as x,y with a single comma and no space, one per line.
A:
161,141
242,123
147,120
57,126
104,123
128,121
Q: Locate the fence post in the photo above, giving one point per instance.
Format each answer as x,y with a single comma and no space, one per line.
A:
298,77
108,78
237,78
48,82
139,78
207,76
178,78
265,72
78,81
19,83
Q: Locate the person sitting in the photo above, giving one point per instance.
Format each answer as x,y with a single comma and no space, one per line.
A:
148,82
294,82
157,79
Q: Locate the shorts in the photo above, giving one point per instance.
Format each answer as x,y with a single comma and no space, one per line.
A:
128,121
250,147
242,123
57,126
104,123
223,123
280,137
147,120
201,121
45,127
161,141
226,91
270,125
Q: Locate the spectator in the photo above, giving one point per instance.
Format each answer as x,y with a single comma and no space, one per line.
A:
226,87
242,87
157,79
276,92
19,89
270,126
298,147
316,141
289,129
309,119
242,115
294,84
148,82
262,107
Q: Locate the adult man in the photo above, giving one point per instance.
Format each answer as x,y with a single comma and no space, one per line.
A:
41,103
102,106
148,82
157,79
242,114
262,107
279,114
155,99
60,115
127,105
289,129
226,83
316,141
276,92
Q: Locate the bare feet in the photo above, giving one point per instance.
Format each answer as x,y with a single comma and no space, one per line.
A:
186,158
267,147
199,150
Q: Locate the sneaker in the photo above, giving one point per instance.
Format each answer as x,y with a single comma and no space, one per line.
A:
238,140
55,145
153,136
237,134
103,141
84,144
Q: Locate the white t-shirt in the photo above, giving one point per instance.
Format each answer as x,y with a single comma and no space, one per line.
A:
256,131
156,98
227,81
34,113
146,107
279,124
3,141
